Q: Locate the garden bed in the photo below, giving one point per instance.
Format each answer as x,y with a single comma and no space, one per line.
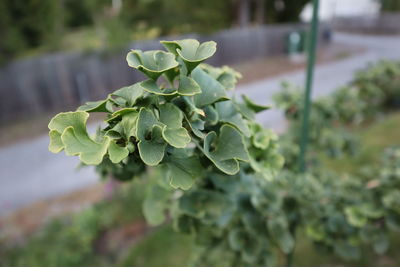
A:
163,246
372,147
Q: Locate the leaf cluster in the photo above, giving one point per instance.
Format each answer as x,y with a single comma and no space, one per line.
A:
180,119
217,172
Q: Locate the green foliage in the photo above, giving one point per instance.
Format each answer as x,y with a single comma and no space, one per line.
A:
34,26
390,5
78,13
175,126
197,138
379,84
163,247
218,172
74,240
178,16
285,11
329,119
25,24
341,214
68,132
190,51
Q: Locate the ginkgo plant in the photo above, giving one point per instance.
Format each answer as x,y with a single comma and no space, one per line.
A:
184,124
158,121
216,171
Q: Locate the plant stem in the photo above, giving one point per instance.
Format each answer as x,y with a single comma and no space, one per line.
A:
289,259
290,256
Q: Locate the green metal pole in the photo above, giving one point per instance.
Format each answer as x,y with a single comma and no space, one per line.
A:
311,49
312,44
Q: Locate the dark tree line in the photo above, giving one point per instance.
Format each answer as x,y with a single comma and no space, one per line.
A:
390,5
26,24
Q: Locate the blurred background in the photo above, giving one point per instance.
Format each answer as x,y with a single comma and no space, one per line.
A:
57,54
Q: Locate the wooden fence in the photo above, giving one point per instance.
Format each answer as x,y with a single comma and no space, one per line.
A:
62,81
384,23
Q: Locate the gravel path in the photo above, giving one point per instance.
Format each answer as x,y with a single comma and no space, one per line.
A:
28,172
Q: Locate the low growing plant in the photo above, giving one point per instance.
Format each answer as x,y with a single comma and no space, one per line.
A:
217,172
203,142
379,84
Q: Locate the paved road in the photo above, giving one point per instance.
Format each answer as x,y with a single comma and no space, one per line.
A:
28,172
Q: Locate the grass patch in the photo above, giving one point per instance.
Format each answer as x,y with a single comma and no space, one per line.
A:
163,247
374,139
308,255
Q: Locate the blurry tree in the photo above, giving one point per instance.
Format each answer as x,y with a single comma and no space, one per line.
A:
11,40
390,5
244,13
28,23
177,16
270,11
281,11
78,13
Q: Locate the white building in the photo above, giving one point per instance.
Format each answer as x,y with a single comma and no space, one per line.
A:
329,9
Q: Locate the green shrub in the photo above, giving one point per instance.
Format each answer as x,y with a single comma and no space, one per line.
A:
205,145
216,172
73,240
379,84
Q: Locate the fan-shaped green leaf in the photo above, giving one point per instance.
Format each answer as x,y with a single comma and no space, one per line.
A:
56,144
189,100
149,132
187,86
227,76
152,87
229,148
126,127
197,126
211,90
78,144
116,152
176,137
119,113
212,116
261,137
246,112
71,126
155,204
97,106
127,96
183,171
173,132
171,115
191,51
253,106
151,63
228,114
152,150
146,122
